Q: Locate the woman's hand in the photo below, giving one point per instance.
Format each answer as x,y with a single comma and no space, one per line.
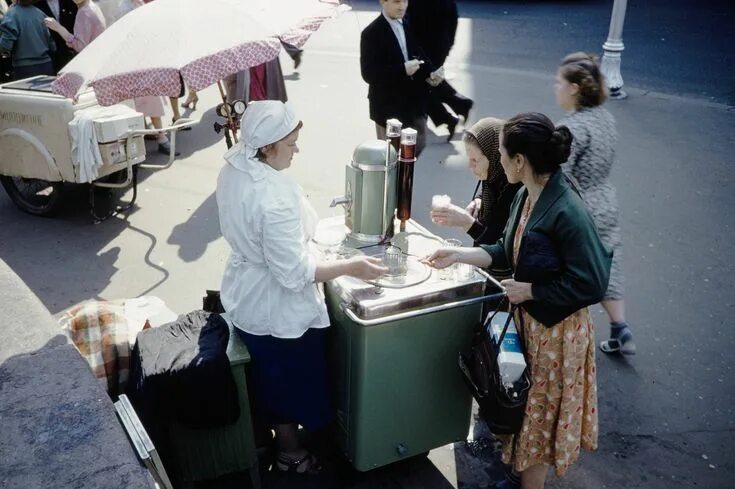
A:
473,208
53,24
443,257
366,267
452,215
518,292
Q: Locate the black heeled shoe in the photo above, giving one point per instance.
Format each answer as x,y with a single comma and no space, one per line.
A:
465,111
452,126
297,59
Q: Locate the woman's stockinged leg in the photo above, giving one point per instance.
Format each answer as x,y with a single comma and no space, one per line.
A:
534,477
615,309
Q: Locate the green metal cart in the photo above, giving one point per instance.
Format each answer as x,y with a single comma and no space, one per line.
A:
394,358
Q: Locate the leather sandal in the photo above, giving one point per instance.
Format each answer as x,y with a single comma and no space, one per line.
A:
622,342
191,101
308,464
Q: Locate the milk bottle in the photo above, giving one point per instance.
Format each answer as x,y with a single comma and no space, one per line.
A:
511,363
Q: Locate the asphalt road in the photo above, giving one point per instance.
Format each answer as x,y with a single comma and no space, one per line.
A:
666,416
675,46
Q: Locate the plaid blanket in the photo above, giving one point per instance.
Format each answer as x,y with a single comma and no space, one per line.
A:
99,330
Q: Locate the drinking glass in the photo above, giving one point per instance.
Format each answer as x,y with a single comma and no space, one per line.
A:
439,201
464,271
396,261
328,241
449,273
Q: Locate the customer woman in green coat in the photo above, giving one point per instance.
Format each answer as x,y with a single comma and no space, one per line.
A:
560,267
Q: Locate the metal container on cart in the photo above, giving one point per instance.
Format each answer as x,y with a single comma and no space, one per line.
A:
394,352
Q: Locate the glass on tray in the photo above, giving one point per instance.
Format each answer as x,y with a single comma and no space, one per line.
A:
396,261
450,272
329,241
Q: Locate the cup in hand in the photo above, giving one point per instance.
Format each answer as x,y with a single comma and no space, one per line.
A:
449,273
440,202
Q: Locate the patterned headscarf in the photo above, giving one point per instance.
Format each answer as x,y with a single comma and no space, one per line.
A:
487,133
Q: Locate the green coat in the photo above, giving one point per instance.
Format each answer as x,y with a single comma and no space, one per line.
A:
560,214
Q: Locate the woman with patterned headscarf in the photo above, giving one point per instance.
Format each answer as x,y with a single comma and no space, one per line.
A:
485,217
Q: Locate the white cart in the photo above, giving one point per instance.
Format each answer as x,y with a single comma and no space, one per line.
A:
36,146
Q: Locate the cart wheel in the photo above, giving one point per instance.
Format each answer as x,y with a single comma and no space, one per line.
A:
33,196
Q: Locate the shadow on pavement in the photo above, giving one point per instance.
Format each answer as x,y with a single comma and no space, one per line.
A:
37,246
193,235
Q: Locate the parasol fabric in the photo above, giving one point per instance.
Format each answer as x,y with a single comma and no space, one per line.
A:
151,50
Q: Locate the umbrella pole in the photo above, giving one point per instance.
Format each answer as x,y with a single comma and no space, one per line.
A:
230,120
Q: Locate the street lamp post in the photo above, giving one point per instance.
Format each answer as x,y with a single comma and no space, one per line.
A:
613,48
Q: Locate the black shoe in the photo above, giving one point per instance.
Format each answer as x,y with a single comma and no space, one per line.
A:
165,148
507,484
465,110
297,60
452,126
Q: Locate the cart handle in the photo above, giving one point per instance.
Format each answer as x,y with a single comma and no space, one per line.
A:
419,312
490,278
180,124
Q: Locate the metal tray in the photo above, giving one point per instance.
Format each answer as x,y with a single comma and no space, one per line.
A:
368,301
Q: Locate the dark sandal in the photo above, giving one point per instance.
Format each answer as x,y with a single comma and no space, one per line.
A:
623,343
308,464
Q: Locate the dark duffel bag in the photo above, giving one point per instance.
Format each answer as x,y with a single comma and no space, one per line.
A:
501,407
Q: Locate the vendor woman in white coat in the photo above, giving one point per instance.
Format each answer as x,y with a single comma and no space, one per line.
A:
269,288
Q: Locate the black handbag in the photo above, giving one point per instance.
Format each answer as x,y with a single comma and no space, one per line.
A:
501,407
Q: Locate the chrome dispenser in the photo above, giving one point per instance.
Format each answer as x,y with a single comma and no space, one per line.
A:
370,191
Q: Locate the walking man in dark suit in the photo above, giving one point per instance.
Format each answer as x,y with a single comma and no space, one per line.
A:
434,23
65,11
396,70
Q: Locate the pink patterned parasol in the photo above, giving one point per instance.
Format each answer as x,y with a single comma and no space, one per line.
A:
151,49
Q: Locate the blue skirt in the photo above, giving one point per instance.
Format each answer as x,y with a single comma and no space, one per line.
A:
289,378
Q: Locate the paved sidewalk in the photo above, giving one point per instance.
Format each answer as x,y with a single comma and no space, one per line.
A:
666,416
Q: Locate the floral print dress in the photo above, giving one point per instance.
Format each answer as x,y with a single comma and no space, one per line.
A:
561,414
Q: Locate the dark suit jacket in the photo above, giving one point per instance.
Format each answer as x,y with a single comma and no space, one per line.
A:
68,15
392,93
561,216
434,23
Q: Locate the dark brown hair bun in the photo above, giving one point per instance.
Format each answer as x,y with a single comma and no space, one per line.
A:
533,135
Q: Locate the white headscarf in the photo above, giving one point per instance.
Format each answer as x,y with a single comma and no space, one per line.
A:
266,122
